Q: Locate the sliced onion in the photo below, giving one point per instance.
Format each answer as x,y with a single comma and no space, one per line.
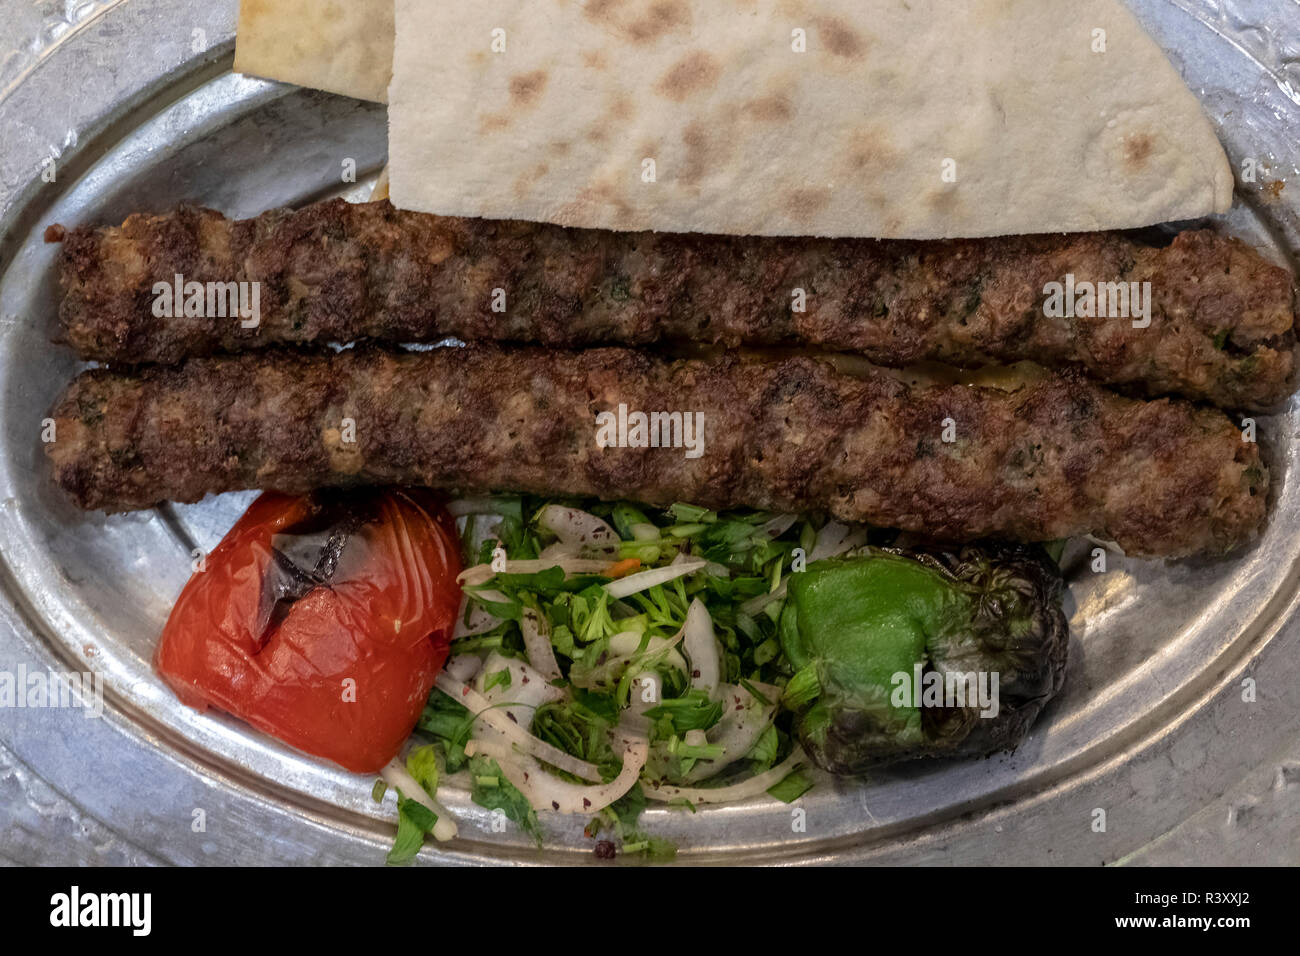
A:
463,667
835,539
622,654
643,531
482,573
527,690
745,720
556,550
494,718
625,643
856,539
633,718
545,791
756,604
398,776
695,738
778,525
737,791
480,619
537,644
631,725
701,647
644,580
828,539
579,530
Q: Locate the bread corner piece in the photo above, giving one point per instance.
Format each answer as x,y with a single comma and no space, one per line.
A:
340,46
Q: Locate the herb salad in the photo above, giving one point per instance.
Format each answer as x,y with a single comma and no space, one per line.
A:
607,657
589,629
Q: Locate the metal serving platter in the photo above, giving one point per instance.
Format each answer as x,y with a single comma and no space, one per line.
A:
136,104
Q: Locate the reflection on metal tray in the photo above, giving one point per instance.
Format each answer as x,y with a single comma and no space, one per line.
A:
1152,727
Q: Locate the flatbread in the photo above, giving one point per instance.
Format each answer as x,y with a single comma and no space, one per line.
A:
342,46
748,136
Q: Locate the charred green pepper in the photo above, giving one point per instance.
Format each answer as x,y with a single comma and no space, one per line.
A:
906,654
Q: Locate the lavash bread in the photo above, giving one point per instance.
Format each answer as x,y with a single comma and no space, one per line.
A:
342,46
748,136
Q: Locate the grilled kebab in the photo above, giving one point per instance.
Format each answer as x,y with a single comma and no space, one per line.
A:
1220,315
1053,458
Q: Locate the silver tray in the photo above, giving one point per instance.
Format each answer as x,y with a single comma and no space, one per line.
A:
135,102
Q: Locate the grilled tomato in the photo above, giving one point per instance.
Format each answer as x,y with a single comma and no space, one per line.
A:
322,620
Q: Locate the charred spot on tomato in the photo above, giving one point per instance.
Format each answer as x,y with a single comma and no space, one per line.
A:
305,556
283,584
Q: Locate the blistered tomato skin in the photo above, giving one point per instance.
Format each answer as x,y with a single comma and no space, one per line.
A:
340,664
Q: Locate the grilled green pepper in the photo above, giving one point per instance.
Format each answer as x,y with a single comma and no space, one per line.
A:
906,654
